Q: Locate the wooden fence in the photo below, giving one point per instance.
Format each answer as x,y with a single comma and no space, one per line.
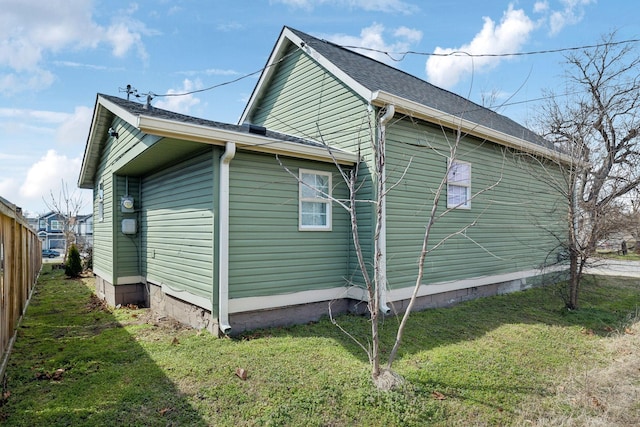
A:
20,263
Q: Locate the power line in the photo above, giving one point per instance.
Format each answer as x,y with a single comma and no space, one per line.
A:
402,55
487,55
244,76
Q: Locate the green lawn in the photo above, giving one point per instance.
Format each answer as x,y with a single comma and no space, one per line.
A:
495,361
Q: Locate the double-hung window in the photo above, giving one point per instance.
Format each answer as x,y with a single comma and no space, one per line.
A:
314,201
459,185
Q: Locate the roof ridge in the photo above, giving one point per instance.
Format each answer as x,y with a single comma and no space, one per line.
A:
374,75
394,69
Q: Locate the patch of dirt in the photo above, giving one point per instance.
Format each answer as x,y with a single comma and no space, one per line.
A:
604,396
163,322
96,304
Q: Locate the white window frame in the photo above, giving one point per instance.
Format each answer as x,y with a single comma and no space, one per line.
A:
56,225
323,199
101,201
455,185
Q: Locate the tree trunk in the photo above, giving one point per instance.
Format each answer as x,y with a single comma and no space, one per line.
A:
574,281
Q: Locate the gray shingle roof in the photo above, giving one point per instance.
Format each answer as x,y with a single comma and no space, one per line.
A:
138,109
375,76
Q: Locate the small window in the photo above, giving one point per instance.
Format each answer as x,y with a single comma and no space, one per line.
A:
459,185
315,200
56,225
101,202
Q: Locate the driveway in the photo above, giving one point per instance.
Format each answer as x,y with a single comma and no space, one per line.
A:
616,267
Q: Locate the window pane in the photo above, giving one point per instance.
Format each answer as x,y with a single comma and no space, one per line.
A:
314,186
313,213
459,173
457,195
315,193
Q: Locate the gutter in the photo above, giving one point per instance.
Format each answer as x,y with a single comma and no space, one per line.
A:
223,251
432,115
382,282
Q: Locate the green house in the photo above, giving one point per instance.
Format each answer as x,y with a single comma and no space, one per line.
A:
227,227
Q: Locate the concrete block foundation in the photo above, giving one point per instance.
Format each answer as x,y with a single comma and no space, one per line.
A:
152,296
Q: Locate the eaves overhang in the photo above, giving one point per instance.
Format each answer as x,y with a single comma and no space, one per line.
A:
103,113
248,141
441,118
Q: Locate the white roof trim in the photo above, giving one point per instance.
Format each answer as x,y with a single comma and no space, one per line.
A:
215,136
278,53
432,115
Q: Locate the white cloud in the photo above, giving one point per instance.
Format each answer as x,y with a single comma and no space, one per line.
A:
230,26
571,14
32,30
209,72
391,6
8,187
182,103
508,36
73,131
33,80
372,39
541,6
46,148
47,175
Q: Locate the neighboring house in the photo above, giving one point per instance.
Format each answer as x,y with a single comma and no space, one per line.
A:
83,228
51,231
204,221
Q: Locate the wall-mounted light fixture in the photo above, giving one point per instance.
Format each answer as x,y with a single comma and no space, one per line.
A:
113,133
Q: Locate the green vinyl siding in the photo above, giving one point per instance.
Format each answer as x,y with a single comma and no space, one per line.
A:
104,239
177,225
103,229
127,255
509,220
306,100
268,255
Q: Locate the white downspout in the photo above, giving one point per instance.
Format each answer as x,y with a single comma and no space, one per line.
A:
223,247
382,128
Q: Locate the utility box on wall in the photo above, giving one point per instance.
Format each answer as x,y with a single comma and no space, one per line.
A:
127,205
129,226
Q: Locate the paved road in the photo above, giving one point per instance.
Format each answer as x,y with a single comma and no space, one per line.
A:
615,268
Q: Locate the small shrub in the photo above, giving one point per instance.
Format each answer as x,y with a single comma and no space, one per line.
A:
73,267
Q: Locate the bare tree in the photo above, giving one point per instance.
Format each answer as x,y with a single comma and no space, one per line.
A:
66,205
375,281
598,125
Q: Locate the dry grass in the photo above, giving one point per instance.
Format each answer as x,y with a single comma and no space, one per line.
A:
608,395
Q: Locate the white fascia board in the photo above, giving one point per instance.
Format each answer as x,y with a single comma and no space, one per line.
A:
101,113
286,37
432,115
214,136
274,58
364,92
125,115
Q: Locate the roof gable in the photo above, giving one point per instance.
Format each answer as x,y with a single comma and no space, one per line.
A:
168,124
380,84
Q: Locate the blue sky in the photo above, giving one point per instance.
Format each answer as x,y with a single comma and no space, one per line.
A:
56,55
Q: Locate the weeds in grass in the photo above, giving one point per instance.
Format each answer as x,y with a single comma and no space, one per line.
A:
518,359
